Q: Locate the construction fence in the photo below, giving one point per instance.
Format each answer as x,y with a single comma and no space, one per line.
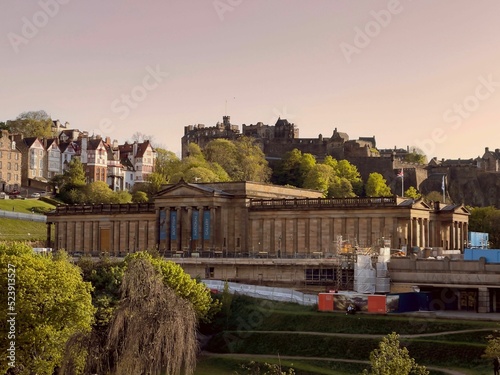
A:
264,292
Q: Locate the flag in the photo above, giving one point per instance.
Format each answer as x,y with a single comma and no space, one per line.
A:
442,185
401,173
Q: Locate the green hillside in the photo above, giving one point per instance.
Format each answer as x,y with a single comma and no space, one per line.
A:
309,339
22,230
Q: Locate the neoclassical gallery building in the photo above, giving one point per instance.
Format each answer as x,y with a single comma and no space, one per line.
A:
240,219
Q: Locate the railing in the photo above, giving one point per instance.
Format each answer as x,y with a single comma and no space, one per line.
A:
322,203
103,208
22,216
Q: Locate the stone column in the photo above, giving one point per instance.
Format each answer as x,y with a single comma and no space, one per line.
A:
420,224
213,240
199,245
49,226
178,229
483,300
189,230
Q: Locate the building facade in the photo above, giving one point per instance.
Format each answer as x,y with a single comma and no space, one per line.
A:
10,163
246,219
34,160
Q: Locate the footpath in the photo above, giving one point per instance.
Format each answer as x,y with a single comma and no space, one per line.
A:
265,356
357,335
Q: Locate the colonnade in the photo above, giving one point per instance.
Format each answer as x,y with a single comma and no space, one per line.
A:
190,229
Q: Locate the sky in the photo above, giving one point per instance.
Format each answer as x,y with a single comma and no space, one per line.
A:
421,74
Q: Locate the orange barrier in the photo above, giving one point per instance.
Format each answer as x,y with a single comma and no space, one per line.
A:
377,304
325,302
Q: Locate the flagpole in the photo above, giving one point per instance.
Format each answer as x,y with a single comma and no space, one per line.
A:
402,185
443,188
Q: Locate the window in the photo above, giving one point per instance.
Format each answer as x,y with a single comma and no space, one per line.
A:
8,176
9,166
33,174
17,156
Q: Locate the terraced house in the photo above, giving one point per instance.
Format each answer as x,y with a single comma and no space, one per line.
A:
10,163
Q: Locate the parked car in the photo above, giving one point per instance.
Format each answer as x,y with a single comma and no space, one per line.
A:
35,195
14,193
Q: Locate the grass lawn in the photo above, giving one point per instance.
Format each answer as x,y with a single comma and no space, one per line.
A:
243,334
228,366
25,205
22,230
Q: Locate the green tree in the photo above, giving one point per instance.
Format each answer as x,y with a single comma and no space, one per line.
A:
166,163
140,197
252,162
255,368
390,359
340,187
320,177
52,303
153,330
413,193
195,168
349,172
293,168
121,197
183,285
486,219
155,181
32,124
201,174
416,157
376,186
492,348
225,153
98,192
72,183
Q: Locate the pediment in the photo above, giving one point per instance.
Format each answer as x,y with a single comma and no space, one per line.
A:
456,209
420,204
187,190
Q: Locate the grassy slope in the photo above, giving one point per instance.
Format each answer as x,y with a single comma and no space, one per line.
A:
24,205
20,230
461,351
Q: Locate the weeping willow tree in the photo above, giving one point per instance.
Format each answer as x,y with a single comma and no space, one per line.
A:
152,330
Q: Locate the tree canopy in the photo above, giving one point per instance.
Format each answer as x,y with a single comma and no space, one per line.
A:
486,219
31,124
390,358
376,186
413,193
416,156
52,303
293,168
153,329
334,178
145,305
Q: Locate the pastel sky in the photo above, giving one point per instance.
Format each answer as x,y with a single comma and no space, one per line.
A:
412,73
